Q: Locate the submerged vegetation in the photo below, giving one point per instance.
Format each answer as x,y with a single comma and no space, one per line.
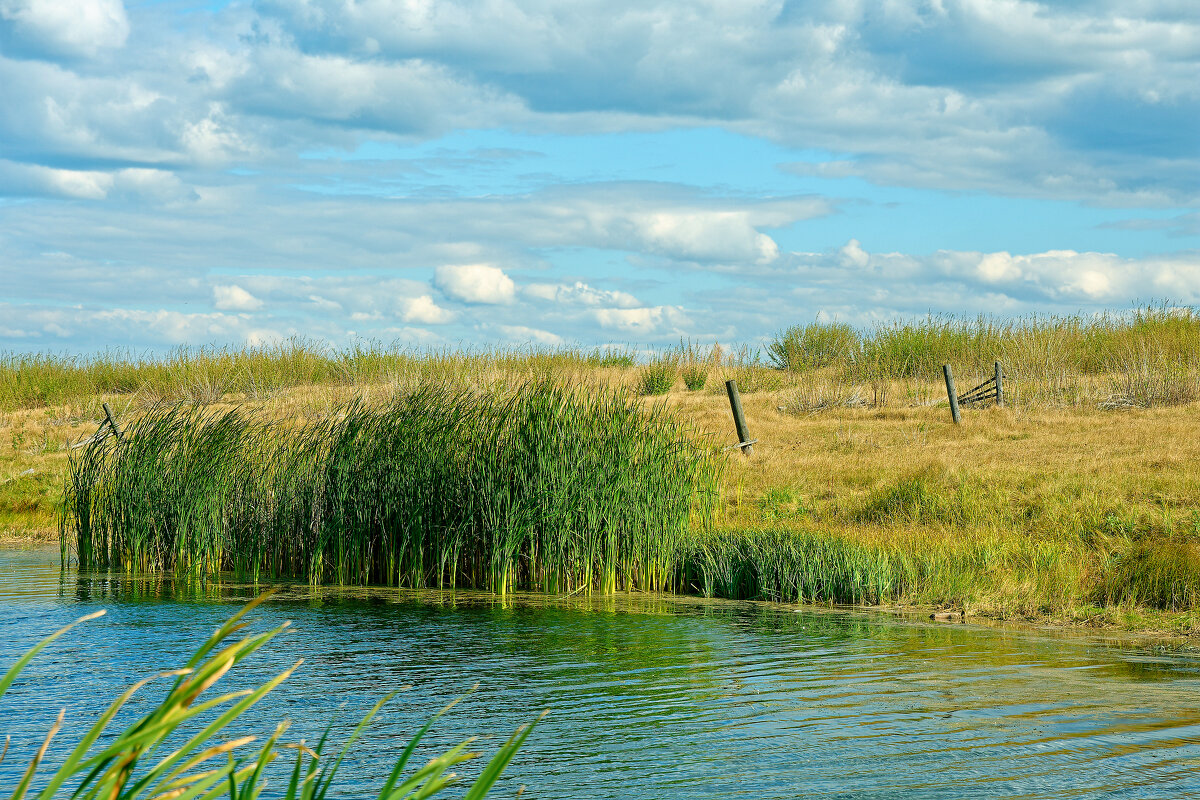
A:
1079,499
538,487
184,747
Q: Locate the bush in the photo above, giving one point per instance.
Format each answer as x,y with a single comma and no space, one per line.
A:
658,377
695,377
815,345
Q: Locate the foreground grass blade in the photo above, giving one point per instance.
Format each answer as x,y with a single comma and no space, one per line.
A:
114,770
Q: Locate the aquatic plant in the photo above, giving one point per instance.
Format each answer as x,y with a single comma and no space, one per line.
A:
182,748
540,486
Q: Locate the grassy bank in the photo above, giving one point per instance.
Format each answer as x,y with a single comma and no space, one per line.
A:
1078,501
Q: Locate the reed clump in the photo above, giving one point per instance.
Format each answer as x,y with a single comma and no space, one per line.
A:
906,566
815,345
539,487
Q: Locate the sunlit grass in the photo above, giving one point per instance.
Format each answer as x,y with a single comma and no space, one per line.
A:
1088,468
535,487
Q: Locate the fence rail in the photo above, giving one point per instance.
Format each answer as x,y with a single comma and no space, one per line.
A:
991,389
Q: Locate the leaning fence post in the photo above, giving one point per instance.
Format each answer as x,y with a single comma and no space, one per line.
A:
950,392
999,385
739,419
108,415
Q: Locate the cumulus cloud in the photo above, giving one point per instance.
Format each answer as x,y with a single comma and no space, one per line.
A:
475,283
1014,95
32,180
646,321
174,327
580,294
288,145
67,27
234,298
423,309
527,335
1066,278
139,184
702,235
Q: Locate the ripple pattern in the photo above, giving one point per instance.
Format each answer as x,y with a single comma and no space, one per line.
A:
650,697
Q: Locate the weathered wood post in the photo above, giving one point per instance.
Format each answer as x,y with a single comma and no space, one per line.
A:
999,385
112,422
950,392
739,418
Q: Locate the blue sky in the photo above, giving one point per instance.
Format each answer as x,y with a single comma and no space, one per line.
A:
436,172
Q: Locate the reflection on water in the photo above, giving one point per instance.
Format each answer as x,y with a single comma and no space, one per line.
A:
650,697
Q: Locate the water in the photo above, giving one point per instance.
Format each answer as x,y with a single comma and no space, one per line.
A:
649,697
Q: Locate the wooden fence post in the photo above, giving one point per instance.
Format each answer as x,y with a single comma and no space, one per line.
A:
739,419
950,392
108,415
999,385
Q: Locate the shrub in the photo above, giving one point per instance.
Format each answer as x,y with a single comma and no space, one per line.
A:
658,377
695,377
815,345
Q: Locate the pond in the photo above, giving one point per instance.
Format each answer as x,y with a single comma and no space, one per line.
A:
649,697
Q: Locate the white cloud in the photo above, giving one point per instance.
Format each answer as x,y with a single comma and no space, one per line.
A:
325,305
854,255
234,298
1063,277
174,327
704,236
521,333
258,337
423,309
69,27
475,283
580,294
31,179
639,321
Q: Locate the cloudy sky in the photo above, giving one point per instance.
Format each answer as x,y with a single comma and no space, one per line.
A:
444,172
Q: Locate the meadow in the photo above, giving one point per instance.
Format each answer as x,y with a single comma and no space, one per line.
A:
1078,501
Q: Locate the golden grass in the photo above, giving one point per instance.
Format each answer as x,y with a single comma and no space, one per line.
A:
1050,508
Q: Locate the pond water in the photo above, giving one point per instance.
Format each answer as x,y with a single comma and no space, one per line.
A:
650,697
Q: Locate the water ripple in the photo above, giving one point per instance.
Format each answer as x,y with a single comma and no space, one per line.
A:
651,697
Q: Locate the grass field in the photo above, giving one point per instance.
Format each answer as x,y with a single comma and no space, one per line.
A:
1079,501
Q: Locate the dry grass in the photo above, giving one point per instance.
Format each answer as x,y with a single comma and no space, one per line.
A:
1051,507
1015,513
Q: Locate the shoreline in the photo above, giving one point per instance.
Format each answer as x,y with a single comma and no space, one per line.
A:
1052,511
1140,628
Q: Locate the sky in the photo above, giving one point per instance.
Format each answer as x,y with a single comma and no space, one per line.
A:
449,173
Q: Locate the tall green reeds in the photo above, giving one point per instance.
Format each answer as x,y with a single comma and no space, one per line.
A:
1105,343
827,566
537,487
